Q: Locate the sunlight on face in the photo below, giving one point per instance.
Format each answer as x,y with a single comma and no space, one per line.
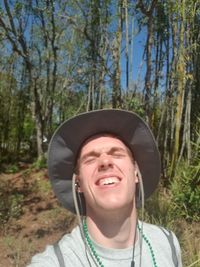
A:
106,173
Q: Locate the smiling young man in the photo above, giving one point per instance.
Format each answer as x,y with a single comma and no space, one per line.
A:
102,165
107,177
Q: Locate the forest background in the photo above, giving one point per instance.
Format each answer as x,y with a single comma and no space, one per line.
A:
59,58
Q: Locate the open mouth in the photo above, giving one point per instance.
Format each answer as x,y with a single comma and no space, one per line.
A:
108,181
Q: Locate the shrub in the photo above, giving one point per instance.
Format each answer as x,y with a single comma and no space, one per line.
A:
40,163
10,204
15,203
12,169
158,208
185,189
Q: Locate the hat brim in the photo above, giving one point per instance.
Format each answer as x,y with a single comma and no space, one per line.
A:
68,138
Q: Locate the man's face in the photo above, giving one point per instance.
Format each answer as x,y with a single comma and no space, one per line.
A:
106,174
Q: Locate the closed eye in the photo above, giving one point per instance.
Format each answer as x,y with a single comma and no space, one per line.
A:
114,152
117,153
89,159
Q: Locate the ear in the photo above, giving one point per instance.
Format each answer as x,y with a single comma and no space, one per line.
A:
78,185
136,172
136,177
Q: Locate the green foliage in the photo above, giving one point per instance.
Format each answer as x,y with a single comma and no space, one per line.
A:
185,190
40,163
29,127
158,208
10,204
42,185
12,168
15,202
135,104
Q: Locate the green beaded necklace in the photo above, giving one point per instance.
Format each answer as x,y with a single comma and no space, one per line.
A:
150,247
89,241
96,256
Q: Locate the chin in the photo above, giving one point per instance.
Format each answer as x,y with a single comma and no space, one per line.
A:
113,206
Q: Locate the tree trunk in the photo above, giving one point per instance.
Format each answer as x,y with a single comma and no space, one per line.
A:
148,12
116,53
180,95
125,4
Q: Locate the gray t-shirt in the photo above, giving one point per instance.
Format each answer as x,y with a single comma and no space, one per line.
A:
74,252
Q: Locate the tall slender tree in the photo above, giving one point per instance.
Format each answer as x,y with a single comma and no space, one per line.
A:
148,11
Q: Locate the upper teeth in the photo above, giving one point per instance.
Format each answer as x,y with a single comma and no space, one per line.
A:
107,181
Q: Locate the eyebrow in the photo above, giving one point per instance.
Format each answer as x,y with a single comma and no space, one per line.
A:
110,151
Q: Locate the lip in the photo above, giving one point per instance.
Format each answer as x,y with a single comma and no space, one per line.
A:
107,176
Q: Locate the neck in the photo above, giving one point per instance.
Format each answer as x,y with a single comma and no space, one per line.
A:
114,229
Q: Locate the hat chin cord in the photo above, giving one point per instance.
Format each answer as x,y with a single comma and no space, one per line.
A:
141,200
80,220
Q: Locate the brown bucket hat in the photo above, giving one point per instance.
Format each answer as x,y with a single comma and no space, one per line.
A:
68,138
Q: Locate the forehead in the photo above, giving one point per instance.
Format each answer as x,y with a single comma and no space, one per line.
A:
102,141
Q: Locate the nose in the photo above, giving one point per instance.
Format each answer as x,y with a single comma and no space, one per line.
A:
105,162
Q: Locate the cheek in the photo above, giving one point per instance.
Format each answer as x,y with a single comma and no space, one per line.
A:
84,177
87,171
132,175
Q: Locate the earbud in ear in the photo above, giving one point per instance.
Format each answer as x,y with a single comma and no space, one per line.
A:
77,185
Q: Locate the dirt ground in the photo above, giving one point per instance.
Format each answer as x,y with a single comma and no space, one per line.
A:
34,221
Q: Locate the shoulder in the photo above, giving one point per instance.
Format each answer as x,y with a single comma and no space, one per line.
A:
161,233
164,241
44,259
68,244
71,242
